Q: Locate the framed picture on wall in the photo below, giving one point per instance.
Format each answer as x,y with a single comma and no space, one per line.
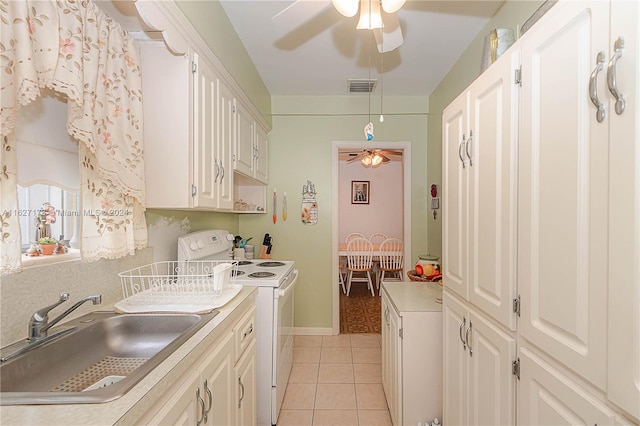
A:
359,192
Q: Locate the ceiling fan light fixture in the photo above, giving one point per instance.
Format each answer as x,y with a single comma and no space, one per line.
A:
392,6
366,160
370,17
377,159
346,8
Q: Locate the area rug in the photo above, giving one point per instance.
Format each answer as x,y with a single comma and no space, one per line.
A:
360,311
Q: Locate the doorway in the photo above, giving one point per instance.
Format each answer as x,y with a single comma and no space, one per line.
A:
337,148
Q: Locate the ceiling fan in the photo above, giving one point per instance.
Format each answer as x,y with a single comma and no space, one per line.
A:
372,157
385,26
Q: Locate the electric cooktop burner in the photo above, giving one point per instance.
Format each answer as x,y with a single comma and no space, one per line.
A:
262,275
244,262
270,264
235,273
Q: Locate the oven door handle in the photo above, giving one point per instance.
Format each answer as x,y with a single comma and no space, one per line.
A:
285,291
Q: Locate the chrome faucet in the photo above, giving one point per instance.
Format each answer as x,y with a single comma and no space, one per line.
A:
39,323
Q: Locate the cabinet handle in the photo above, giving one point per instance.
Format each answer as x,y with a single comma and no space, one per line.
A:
248,332
203,418
222,169
469,141
242,394
210,398
593,87
466,338
386,315
217,169
464,138
611,75
464,321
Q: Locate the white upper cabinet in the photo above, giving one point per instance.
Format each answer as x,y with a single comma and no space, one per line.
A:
250,146
562,193
479,182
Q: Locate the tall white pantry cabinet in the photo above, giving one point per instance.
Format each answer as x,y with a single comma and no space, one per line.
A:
541,250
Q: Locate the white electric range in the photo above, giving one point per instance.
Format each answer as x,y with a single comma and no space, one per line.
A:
276,280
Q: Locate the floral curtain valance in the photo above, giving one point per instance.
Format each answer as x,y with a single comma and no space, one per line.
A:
76,49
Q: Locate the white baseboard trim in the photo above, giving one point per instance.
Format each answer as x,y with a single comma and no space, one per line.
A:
313,331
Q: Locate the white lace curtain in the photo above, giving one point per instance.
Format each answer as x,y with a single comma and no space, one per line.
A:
74,48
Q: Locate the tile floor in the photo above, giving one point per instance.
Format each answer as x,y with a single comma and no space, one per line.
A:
335,380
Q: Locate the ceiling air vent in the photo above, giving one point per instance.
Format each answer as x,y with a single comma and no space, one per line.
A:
361,85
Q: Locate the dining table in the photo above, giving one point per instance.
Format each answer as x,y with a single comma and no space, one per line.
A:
342,250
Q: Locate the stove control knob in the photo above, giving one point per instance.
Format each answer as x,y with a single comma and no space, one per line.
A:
193,246
200,244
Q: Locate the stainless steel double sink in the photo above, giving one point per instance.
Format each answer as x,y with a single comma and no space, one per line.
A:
100,360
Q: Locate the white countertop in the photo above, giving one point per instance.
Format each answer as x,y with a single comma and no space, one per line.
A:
414,296
127,409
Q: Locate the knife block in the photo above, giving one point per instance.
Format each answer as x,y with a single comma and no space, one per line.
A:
263,253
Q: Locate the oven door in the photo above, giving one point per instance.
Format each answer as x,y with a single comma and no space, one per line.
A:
283,337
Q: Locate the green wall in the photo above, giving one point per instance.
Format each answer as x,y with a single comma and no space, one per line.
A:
466,69
300,149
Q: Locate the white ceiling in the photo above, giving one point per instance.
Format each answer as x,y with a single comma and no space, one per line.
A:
318,56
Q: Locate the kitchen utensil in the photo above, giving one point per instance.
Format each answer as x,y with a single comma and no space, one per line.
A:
275,205
284,207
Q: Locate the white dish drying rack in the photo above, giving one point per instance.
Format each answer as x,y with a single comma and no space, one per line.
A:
197,286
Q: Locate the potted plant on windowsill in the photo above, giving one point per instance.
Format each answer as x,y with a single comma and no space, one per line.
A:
47,245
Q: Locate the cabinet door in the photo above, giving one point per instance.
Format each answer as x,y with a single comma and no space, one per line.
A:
244,148
492,386
454,196
385,334
246,387
205,161
624,217
492,166
547,397
395,368
261,166
455,321
219,384
226,125
183,407
562,191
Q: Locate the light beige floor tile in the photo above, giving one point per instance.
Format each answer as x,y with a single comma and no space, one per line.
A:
364,341
295,418
339,341
366,355
370,396
334,418
330,396
367,373
335,373
336,356
304,373
306,355
307,341
299,396
372,418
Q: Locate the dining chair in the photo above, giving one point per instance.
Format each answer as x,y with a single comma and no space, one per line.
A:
377,238
360,261
353,235
391,266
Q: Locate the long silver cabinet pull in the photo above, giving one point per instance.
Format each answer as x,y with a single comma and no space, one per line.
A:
611,75
469,142
201,402
210,398
466,338
464,321
593,87
242,394
464,140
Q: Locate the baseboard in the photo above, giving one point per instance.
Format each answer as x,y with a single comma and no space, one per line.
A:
313,331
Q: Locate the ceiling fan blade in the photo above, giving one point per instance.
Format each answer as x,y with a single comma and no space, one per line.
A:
385,159
298,12
390,37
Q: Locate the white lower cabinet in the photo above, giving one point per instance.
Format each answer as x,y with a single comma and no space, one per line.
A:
547,397
480,387
411,355
220,389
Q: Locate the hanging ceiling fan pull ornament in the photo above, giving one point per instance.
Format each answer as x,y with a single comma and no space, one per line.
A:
368,131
